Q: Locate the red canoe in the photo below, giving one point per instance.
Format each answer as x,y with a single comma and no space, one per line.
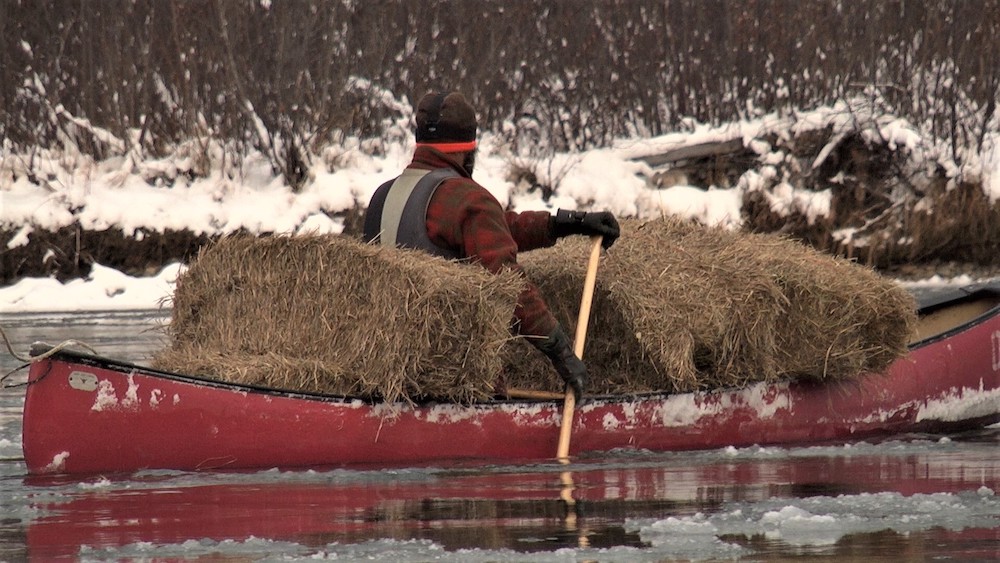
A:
88,414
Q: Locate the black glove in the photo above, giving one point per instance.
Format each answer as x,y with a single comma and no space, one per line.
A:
572,369
565,223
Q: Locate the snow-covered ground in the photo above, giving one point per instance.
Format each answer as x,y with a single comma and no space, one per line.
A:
141,196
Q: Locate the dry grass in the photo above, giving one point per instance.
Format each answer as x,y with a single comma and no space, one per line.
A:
677,307
326,313
684,307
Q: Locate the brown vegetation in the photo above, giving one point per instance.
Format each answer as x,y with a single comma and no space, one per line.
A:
324,313
683,307
70,252
886,209
283,77
678,307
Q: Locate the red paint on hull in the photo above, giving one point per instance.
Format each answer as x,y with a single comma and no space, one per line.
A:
92,415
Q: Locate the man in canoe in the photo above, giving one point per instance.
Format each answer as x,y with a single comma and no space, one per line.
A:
436,206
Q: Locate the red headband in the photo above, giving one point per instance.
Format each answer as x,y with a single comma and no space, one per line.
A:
451,147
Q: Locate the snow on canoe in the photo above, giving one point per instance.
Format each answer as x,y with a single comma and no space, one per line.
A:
90,414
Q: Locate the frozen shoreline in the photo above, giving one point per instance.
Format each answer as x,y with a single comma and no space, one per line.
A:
140,198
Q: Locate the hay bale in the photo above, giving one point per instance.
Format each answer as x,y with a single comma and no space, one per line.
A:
329,314
677,307
842,318
683,307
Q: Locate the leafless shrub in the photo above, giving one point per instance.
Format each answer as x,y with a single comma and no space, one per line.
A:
288,78
589,71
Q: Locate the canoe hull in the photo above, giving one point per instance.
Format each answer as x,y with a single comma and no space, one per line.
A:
85,414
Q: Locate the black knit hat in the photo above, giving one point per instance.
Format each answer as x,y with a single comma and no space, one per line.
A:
445,118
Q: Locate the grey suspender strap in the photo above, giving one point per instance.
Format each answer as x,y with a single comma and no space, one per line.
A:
404,214
395,203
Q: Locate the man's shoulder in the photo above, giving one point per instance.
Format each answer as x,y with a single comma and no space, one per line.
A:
462,191
462,184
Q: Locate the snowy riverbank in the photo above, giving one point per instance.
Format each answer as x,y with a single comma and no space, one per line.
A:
141,199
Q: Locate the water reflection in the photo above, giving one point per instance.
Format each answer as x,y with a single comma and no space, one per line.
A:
489,507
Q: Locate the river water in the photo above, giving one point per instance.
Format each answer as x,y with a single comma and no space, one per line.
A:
914,497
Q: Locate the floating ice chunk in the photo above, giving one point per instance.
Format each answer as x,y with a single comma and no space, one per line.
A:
822,521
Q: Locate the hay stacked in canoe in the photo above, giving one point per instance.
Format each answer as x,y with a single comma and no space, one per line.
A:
683,307
677,307
329,314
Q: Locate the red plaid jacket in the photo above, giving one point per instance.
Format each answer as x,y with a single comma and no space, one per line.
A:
465,217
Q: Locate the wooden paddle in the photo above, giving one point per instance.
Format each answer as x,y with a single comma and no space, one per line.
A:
532,395
569,403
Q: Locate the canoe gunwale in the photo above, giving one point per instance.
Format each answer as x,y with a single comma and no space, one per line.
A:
963,295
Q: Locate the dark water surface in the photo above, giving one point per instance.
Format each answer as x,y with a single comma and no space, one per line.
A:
910,498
